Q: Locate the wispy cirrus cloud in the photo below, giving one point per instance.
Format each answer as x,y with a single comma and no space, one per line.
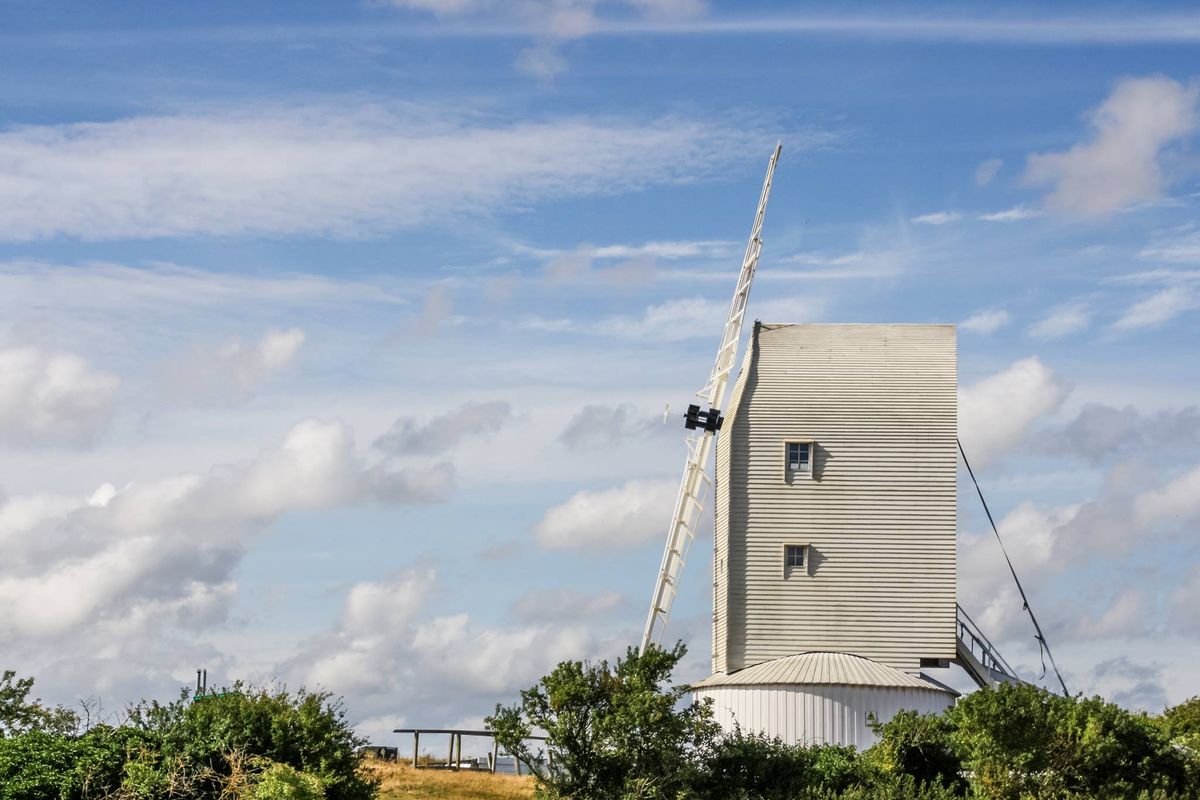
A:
1062,321
1158,309
328,170
937,218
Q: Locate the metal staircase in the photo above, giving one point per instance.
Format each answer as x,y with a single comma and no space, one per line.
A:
979,657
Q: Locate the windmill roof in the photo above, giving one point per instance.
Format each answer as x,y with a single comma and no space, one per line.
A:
822,669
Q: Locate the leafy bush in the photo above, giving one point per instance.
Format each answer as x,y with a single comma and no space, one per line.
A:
920,746
757,767
304,732
246,744
611,731
1017,741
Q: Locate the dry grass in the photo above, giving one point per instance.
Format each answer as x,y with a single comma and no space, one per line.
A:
399,781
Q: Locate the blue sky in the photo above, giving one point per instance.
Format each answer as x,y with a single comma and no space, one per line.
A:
336,336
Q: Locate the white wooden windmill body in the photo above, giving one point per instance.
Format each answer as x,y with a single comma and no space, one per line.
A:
834,547
834,550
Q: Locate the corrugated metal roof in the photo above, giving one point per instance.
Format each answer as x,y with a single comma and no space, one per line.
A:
828,669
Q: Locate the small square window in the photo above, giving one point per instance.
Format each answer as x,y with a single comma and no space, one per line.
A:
794,555
799,456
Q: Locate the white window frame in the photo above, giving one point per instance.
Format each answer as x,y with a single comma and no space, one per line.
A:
790,474
803,569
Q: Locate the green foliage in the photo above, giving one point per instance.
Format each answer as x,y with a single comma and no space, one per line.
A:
19,714
303,731
612,731
247,744
1182,723
757,767
920,746
281,782
1018,741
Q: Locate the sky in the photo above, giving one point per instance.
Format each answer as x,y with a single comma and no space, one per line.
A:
336,338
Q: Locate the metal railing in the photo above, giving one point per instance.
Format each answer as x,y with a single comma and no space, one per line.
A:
981,647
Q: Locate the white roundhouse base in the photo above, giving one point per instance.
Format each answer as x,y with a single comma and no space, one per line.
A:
817,714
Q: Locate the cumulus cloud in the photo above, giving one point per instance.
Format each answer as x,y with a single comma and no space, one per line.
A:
49,398
1100,430
232,370
568,605
1131,684
1185,600
166,550
385,646
442,433
1158,309
628,515
325,170
599,426
985,321
1122,162
996,413
1062,321
1177,501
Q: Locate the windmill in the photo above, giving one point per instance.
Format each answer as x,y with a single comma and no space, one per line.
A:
834,565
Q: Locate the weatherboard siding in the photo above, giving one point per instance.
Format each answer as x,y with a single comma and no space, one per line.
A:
878,514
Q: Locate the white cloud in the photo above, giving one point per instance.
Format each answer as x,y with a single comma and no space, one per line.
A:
234,369
691,317
49,398
445,666
166,550
442,433
598,427
996,413
986,172
1178,500
326,170
628,515
1178,247
543,61
1121,164
985,321
1062,321
1014,214
1184,602
1157,309
937,218
550,605
1100,430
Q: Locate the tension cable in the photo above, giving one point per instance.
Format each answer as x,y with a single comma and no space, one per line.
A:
1041,638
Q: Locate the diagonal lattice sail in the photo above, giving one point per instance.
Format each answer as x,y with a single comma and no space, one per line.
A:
694,486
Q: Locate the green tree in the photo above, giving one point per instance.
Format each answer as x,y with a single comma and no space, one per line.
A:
19,714
617,731
1018,741
918,745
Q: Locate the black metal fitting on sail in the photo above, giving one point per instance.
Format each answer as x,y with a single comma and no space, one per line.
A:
709,420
